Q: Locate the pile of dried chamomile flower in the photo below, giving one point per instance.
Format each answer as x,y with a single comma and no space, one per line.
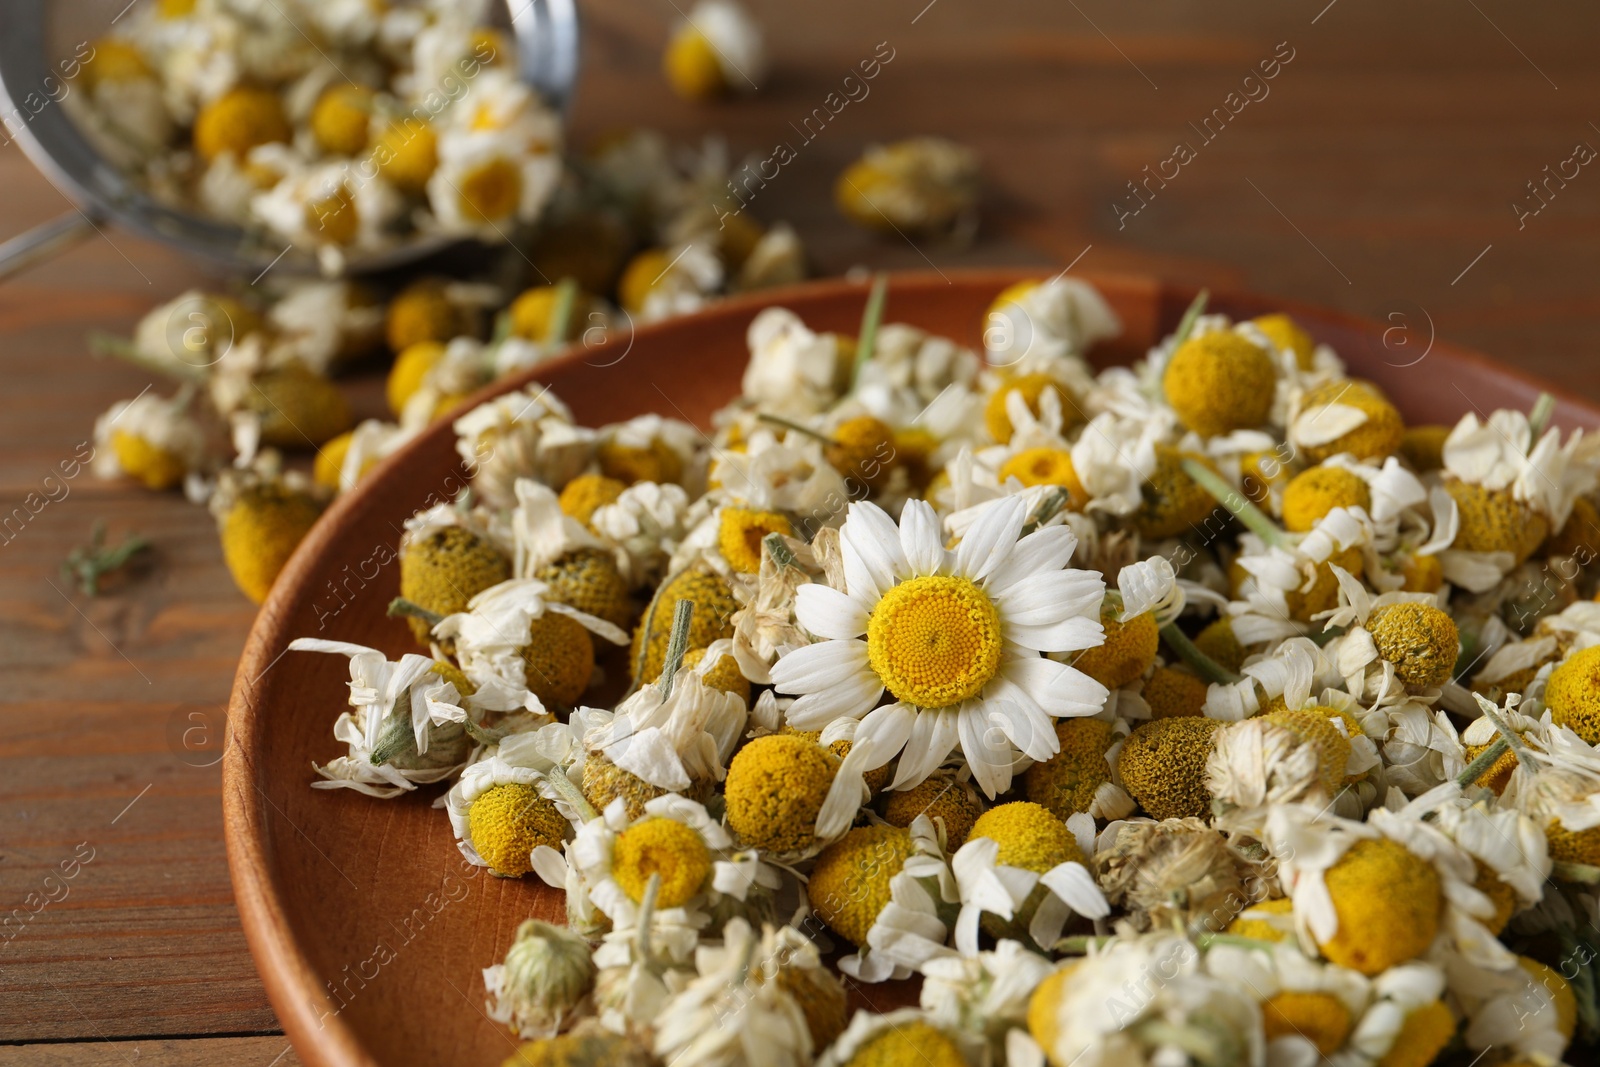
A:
1195,712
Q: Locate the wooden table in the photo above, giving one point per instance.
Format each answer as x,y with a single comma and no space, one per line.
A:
1376,172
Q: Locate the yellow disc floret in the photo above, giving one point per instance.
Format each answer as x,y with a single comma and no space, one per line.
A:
239,120
1218,642
508,822
640,278
935,640
1031,387
724,674
1422,1036
447,568
114,60
1173,502
1260,929
1389,902
146,462
1579,536
422,312
588,493
775,789
1320,1018
297,407
558,659
1492,520
1029,836
1066,783
1172,693
1219,382
341,117
407,154
714,606
410,369
862,448
663,847
588,579
1288,335
1573,846
1420,640
914,1044
1127,652
1560,990
1311,724
1047,466
588,1047
533,313
260,531
1423,447
740,533
656,462
1375,439
1573,694
692,67
490,192
943,799
1163,766
604,781
1311,494
850,882
1500,893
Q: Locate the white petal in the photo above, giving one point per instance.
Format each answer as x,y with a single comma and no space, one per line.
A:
1024,722
1049,549
549,866
817,667
826,612
992,538
933,735
888,727
1060,690
1073,884
874,539
846,793
317,644
988,751
919,538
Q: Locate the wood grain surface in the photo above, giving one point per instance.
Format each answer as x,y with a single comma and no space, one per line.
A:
1378,175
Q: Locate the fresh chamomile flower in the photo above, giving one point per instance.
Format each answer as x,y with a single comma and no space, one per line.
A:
905,1036
1078,777
514,640
1171,502
543,982
953,636
1345,415
523,434
1572,693
785,794
1163,765
500,815
1220,381
156,442
644,525
717,50
880,887
1171,873
1128,651
1024,869
1033,324
407,726
446,559
946,798
920,185
733,1014
1105,1011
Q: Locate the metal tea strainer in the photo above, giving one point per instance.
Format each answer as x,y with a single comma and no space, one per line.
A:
38,36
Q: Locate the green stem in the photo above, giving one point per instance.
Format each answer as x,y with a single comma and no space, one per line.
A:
1237,940
1048,508
647,908
1507,734
1191,315
1203,665
779,551
105,344
1482,762
88,565
789,424
1539,417
560,783
867,339
1079,944
677,644
1227,496
561,316
1582,873
400,607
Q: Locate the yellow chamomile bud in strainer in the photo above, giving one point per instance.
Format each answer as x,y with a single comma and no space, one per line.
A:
1573,694
239,120
341,117
406,153
1030,389
715,51
1311,494
445,568
740,533
1347,415
1219,382
1419,639
546,973
1163,766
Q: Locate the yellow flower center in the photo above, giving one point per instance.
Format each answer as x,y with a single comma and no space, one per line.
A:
1389,902
334,217
662,847
1423,1035
909,1045
491,192
742,532
151,464
935,641
1320,1018
1029,836
1046,466
508,822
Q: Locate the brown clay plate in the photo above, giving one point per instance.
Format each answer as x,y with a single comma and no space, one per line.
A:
367,926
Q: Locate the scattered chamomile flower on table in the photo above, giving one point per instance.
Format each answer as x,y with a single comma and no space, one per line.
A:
716,51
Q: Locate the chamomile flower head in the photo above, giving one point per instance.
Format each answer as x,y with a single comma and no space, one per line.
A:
1220,381
1309,1008
1495,521
740,532
1572,693
322,207
717,50
523,434
239,120
648,448
778,793
1346,415
261,520
500,815
1177,871
850,882
1035,325
588,579
1171,501
1128,651
1220,644
1162,765
588,1045
156,442
643,525
1527,1013
445,562
542,982
1419,639
1038,396
946,798
718,668
423,311
1021,874
1288,336
918,185
1279,758
861,448
1078,777
1045,465
1170,692
1312,493
588,493
904,1038
953,636
714,608
286,406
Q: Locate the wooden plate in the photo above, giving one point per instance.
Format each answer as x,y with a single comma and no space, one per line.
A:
368,927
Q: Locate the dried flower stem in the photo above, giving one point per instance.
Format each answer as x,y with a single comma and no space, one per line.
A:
1191,315
1539,417
779,551
561,315
790,424
1236,503
1048,508
86,566
677,644
1203,665
1482,762
565,791
871,316
400,607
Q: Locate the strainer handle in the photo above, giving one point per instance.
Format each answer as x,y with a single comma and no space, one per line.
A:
44,241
